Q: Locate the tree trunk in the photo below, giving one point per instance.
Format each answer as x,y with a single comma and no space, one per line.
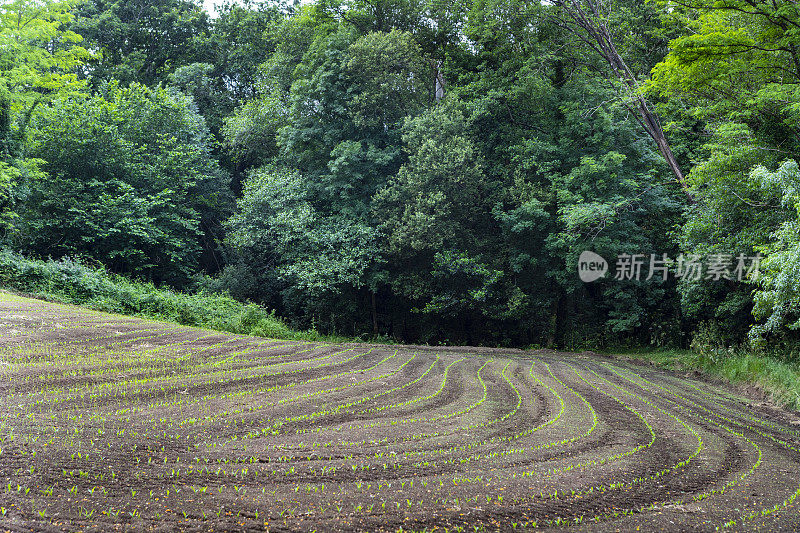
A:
552,334
593,30
374,313
439,91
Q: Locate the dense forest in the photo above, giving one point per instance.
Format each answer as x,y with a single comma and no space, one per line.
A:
424,170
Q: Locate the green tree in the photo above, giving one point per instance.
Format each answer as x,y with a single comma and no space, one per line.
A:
39,58
141,40
344,126
291,247
130,182
777,298
734,71
436,215
242,37
39,54
226,73
250,133
596,24
339,128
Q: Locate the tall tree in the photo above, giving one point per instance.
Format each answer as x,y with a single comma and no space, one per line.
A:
590,21
141,40
733,69
39,61
343,117
130,182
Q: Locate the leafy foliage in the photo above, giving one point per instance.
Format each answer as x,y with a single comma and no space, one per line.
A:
39,54
426,170
141,40
778,296
71,281
135,189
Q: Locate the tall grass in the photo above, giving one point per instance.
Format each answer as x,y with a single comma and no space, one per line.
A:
72,282
777,377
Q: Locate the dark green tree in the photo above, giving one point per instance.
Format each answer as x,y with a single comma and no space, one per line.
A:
141,41
130,181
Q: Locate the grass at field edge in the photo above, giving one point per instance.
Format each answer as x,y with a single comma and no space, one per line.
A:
777,380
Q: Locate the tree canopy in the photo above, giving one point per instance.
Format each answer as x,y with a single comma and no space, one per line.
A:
428,171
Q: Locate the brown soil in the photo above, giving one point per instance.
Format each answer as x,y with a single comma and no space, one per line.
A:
109,423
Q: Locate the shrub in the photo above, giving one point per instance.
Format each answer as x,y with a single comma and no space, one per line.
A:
70,281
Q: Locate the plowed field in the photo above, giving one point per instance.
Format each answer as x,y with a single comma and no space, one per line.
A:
116,423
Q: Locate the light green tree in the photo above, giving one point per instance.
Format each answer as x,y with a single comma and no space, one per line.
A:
39,60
